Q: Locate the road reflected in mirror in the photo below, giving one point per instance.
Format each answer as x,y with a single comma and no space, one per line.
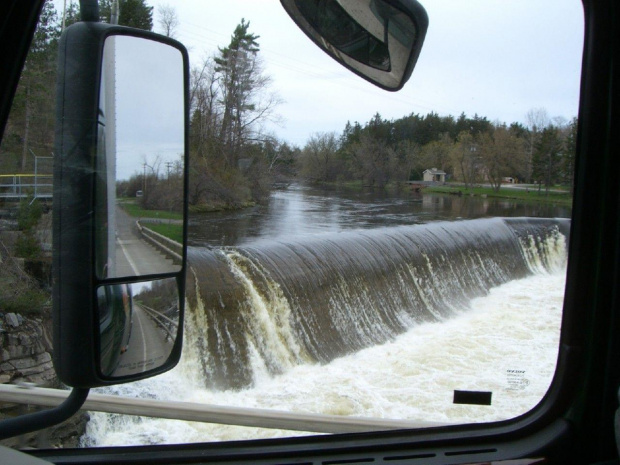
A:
138,324
140,159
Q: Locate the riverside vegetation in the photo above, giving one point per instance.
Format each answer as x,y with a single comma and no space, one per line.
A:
234,163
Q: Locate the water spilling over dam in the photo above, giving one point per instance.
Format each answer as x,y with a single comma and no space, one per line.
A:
273,305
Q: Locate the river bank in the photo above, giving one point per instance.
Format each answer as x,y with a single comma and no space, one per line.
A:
518,192
523,193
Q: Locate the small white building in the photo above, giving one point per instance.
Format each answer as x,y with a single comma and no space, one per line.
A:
434,175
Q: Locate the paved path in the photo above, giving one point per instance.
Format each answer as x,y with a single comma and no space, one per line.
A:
147,348
134,256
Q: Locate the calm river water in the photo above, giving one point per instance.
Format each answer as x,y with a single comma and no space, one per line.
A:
309,210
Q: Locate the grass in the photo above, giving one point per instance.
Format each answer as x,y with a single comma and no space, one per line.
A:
171,231
136,211
530,195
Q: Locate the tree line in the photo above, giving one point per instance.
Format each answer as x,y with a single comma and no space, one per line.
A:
470,150
234,161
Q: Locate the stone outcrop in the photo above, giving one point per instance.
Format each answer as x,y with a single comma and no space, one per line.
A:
25,348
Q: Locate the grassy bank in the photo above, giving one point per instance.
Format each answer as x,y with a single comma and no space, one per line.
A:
526,195
172,231
133,209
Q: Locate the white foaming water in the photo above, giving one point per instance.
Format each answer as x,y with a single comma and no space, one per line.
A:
505,343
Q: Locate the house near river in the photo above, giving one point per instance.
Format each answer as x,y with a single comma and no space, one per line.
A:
434,175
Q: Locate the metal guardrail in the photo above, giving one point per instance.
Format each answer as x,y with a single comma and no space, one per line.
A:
161,320
205,413
164,244
16,188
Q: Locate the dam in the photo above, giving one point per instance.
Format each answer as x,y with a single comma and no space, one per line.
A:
312,299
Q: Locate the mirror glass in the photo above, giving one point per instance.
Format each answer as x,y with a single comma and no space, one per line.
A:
140,159
367,44
371,37
138,324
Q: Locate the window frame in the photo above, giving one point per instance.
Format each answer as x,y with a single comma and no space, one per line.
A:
574,422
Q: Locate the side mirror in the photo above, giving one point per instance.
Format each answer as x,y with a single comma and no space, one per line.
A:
122,130
379,40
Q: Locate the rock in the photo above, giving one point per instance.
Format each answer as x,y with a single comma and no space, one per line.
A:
25,352
18,351
43,358
6,367
12,320
22,363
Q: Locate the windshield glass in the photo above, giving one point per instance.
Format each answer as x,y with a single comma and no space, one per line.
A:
396,258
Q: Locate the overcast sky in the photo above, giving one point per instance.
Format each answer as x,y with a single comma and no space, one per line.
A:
149,110
496,58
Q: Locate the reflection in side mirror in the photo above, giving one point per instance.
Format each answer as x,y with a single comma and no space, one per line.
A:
378,40
139,158
138,324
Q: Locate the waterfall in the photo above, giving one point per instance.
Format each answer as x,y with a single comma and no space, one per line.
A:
259,310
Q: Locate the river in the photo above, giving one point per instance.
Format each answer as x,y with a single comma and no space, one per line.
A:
310,210
362,304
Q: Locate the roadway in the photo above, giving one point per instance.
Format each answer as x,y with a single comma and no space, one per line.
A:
147,348
135,256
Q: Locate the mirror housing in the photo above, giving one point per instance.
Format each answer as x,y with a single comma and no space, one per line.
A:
95,299
379,40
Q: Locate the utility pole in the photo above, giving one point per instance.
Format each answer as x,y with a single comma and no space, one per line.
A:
64,15
114,13
108,104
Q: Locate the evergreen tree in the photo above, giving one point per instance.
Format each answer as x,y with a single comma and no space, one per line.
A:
30,128
240,75
569,154
133,13
547,157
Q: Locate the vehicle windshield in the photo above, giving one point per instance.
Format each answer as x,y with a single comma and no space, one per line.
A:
397,259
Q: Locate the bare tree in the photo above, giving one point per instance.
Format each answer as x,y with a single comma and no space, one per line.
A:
318,158
168,20
466,158
374,161
437,153
501,152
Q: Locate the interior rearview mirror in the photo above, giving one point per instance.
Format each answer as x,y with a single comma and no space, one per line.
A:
379,40
120,215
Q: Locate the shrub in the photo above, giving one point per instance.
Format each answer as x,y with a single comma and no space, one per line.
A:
27,246
28,214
